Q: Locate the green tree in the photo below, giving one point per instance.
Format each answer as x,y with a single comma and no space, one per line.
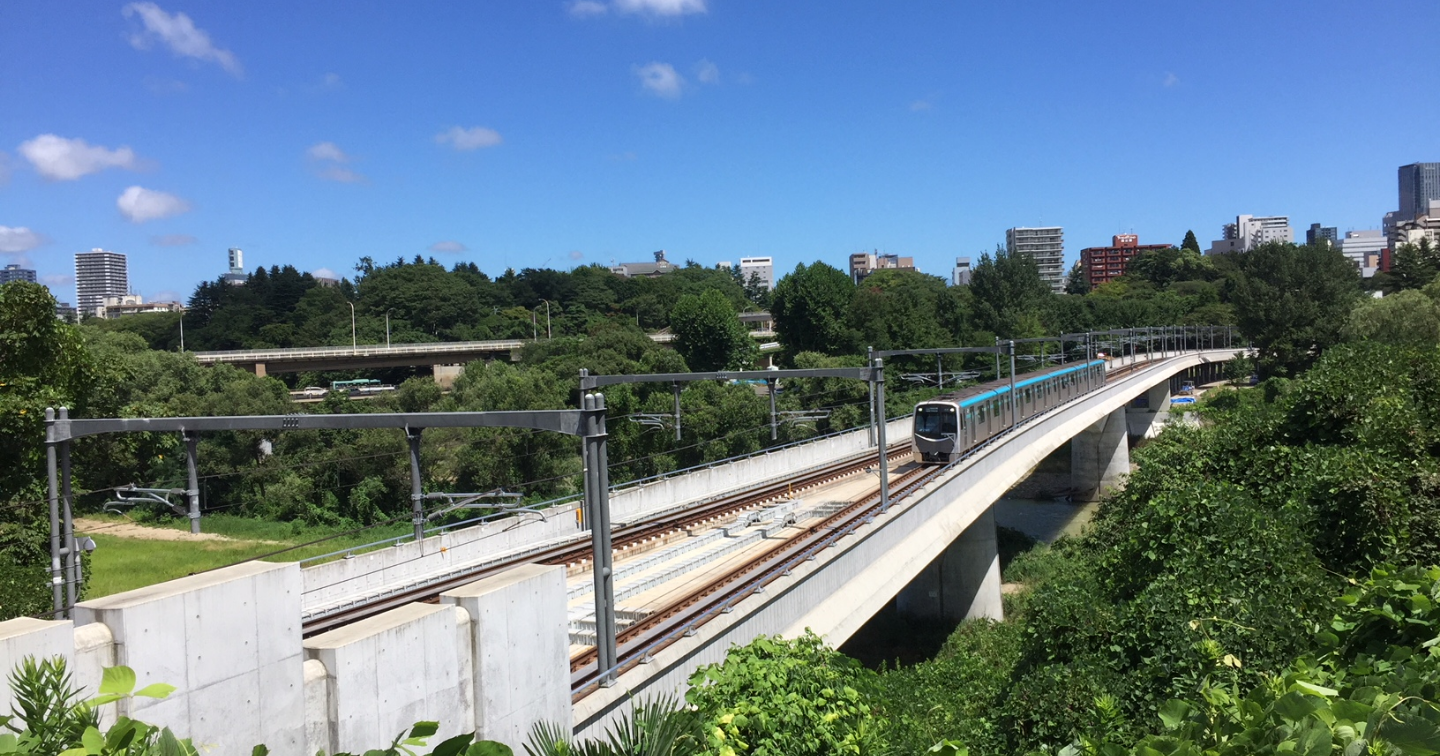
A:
1163,267
1403,318
901,309
1009,294
1416,265
1190,243
709,335
1077,282
810,306
1292,301
43,363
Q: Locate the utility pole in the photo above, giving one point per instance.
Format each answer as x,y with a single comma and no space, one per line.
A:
354,346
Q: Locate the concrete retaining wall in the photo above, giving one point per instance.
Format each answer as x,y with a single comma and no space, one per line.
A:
343,582
494,658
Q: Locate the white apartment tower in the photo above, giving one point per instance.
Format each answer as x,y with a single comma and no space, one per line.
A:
1249,232
99,274
960,276
761,267
1046,246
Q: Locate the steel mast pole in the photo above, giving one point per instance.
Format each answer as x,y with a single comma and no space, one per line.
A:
878,378
1014,405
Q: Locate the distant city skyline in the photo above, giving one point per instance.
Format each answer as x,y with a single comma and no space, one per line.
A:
529,135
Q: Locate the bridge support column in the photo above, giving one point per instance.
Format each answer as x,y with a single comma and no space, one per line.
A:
1099,457
520,639
445,375
260,370
1144,423
963,582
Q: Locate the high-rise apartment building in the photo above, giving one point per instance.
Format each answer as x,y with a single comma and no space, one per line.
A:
1318,234
1046,246
1249,232
760,267
1425,226
1102,264
1419,185
863,264
99,274
16,273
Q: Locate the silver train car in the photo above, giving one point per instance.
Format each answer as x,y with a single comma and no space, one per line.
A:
948,426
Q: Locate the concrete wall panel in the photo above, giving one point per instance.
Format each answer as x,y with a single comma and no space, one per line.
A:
27,636
229,640
387,672
521,648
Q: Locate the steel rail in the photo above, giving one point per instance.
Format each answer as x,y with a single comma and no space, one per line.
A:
578,550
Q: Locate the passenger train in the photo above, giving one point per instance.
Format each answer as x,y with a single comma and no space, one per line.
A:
948,426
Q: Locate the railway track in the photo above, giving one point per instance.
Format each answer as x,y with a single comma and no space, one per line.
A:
661,628
578,551
645,637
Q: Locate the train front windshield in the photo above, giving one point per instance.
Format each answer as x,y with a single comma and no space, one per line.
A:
935,421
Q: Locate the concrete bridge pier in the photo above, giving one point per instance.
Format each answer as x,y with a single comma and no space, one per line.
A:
1100,457
963,582
1144,422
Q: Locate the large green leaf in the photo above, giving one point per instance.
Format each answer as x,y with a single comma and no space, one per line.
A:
117,680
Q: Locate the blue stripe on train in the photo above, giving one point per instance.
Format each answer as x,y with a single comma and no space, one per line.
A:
1006,389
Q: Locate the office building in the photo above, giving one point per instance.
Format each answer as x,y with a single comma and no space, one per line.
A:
65,312
16,273
960,276
1046,246
1424,226
1360,246
863,264
759,267
1419,185
1318,234
1102,264
99,274
1249,232
236,275
660,267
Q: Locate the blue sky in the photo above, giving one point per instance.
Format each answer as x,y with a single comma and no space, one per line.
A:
536,133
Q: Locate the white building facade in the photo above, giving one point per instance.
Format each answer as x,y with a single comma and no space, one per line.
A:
1359,246
1046,246
1249,232
960,276
760,267
99,274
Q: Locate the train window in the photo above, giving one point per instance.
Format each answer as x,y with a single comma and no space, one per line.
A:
935,421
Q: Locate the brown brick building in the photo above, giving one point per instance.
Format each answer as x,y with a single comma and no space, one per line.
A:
1104,263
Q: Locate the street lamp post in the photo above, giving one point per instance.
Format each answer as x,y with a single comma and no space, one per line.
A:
354,346
387,326
548,335
182,330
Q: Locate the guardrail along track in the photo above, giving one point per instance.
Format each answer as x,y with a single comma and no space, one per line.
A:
579,550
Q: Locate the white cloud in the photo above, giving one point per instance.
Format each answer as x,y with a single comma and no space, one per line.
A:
61,159
173,240
576,254
18,240
919,106
58,279
1171,79
331,80
328,151
140,204
449,245
660,7
332,161
586,9
472,138
323,273
660,79
180,34
707,72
